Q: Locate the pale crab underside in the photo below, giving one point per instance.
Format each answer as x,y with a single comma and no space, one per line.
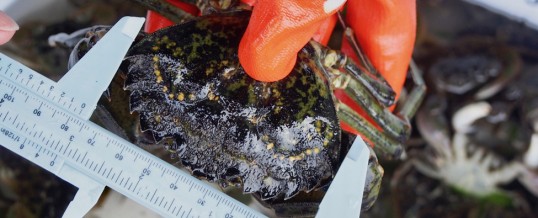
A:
458,162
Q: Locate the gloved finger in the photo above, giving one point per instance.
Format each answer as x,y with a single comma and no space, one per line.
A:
278,29
325,29
156,21
323,33
386,30
7,27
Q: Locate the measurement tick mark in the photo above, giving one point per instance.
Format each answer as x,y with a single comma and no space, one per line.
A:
5,116
124,185
171,203
15,119
179,210
119,177
100,168
153,195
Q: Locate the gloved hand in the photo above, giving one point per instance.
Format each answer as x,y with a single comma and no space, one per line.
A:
7,28
278,29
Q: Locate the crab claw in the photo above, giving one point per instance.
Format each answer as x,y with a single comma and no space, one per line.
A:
464,117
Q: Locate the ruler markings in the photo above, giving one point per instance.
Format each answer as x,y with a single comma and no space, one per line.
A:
136,185
118,176
189,212
171,203
152,196
125,184
84,157
5,116
66,147
15,119
101,167
180,207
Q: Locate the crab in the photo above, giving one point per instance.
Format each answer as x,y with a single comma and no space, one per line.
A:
471,87
275,139
458,162
477,65
280,141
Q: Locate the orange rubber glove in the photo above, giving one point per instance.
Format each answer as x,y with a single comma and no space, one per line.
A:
278,29
155,21
386,31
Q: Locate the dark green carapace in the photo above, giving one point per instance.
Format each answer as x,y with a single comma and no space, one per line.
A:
276,139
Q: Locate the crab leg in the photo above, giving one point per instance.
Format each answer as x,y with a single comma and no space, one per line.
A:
359,87
384,143
380,95
364,61
350,37
434,127
374,82
413,100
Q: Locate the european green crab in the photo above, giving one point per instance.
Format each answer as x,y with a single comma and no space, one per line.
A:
280,141
460,148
